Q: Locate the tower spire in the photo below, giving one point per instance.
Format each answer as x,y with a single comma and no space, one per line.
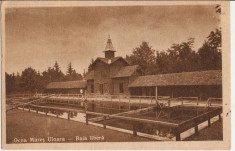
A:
109,45
109,50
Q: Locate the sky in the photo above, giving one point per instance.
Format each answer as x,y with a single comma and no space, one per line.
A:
37,37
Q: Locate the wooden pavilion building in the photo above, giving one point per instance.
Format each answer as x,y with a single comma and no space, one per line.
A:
111,75
67,87
201,84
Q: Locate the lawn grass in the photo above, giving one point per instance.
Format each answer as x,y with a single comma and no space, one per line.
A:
214,132
25,125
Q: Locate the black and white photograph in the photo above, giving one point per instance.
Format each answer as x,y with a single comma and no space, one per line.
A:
119,73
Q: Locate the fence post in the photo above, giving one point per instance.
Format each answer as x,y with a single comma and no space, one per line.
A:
29,108
182,102
86,119
37,110
220,118
104,122
68,115
196,127
129,102
119,103
209,120
23,107
134,129
169,103
57,114
197,102
177,134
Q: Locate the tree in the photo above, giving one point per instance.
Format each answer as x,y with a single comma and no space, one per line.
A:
210,58
10,83
30,80
214,39
69,69
72,74
179,58
144,56
56,67
89,67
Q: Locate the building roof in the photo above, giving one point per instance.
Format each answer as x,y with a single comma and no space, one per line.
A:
211,77
67,85
109,61
90,75
126,71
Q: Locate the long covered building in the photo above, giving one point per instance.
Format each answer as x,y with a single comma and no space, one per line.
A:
201,84
114,76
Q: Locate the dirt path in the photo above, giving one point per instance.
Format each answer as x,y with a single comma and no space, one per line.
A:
23,125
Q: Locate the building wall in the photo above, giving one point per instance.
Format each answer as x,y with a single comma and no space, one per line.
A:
115,67
89,85
102,75
116,86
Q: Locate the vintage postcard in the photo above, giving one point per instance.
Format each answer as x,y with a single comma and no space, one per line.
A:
116,75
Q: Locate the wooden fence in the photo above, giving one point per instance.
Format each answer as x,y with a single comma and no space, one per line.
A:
178,128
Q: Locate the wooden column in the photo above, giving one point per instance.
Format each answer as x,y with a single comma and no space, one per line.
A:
220,119
57,114
104,122
134,129
156,94
177,134
209,120
169,103
86,119
68,115
196,127
119,103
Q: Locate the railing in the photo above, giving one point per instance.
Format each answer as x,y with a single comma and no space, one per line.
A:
69,95
177,128
209,102
194,122
164,100
19,95
193,99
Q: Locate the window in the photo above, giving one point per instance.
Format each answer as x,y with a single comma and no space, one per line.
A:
121,87
101,88
92,88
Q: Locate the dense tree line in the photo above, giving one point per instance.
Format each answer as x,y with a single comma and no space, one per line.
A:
179,57
31,81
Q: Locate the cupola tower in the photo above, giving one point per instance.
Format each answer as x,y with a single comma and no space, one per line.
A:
109,50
